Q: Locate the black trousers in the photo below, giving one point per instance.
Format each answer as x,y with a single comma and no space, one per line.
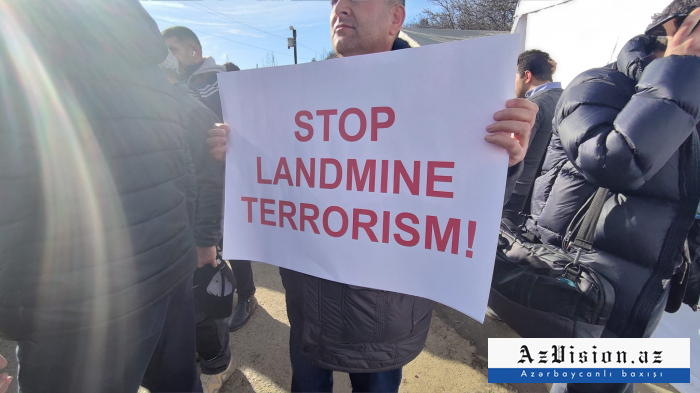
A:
155,348
213,345
244,278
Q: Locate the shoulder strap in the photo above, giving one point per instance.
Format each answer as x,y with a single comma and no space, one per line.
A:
584,236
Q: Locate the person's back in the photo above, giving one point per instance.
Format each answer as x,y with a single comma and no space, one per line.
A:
94,224
534,82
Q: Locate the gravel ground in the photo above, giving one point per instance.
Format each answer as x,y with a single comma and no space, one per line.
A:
454,358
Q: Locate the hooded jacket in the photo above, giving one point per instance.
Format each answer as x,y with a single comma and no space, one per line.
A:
631,128
93,167
204,85
354,329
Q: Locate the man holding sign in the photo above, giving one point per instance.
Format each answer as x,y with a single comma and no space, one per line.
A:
368,333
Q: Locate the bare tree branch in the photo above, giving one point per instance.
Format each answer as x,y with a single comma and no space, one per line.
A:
467,15
270,60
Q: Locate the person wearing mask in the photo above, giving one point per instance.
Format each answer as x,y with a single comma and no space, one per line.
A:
199,74
97,251
195,70
630,127
374,346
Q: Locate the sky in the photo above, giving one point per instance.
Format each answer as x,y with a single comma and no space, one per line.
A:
247,32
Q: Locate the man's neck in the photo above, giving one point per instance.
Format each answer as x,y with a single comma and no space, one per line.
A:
536,84
541,87
387,48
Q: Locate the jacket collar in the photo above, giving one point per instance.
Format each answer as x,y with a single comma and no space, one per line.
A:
543,87
207,66
400,43
403,41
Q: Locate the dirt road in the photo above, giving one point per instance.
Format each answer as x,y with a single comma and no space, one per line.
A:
449,362
454,358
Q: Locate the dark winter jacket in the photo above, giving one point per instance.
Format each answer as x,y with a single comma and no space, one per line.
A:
517,203
629,127
204,85
354,329
93,157
207,196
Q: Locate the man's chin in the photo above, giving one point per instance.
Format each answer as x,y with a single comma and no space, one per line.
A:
345,47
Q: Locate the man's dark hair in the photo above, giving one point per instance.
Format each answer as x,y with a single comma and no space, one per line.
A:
537,62
676,7
231,67
182,33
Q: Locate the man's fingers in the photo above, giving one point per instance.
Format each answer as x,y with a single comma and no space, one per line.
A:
214,263
523,104
220,130
518,114
512,146
689,24
217,132
3,362
204,262
214,141
219,153
217,141
519,128
5,381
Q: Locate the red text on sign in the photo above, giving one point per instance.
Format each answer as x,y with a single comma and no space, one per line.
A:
352,174
405,229
302,119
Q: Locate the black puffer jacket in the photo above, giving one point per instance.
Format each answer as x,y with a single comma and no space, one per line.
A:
629,127
207,194
354,329
93,217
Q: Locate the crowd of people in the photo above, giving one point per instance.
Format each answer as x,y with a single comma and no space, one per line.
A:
112,163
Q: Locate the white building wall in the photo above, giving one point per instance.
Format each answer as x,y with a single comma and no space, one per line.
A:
584,34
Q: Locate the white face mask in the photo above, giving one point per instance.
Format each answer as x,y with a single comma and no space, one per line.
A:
170,63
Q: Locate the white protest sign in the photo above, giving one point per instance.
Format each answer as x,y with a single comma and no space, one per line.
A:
373,170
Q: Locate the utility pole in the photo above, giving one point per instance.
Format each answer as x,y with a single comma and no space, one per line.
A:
292,42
